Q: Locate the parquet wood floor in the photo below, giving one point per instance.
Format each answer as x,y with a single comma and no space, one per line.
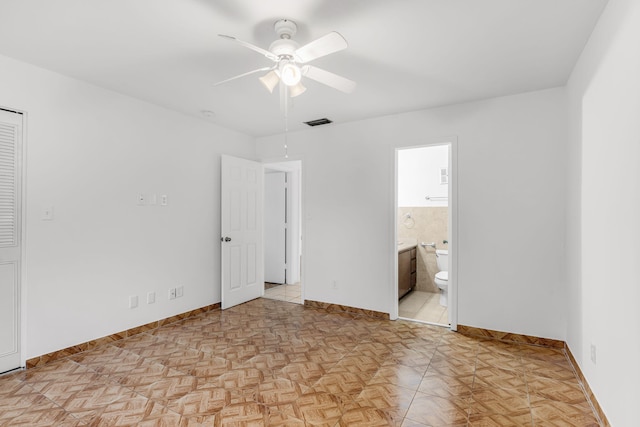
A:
274,363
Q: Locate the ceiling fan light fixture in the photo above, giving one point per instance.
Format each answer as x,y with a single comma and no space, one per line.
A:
290,74
270,80
296,90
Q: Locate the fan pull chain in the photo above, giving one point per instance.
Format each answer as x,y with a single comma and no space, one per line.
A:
286,147
286,122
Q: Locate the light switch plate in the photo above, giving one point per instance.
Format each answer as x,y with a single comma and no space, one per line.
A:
133,301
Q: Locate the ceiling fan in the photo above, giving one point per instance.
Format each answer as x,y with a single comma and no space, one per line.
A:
291,61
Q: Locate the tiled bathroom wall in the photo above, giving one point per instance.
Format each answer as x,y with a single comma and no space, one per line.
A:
426,224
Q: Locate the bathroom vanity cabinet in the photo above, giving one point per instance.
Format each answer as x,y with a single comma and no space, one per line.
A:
406,270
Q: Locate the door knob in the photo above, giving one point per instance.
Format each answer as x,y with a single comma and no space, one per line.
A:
225,239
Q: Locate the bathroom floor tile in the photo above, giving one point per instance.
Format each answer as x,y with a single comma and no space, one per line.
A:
423,306
414,301
274,363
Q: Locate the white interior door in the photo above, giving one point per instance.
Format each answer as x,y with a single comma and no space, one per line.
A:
242,253
10,245
275,232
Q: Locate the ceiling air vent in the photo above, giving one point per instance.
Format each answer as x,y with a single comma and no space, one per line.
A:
318,122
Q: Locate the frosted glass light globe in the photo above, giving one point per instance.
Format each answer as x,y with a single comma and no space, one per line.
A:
290,74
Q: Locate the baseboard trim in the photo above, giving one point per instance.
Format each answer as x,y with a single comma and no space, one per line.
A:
509,337
543,342
66,352
592,398
336,308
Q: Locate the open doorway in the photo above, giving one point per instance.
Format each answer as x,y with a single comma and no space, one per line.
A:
424,231
283,231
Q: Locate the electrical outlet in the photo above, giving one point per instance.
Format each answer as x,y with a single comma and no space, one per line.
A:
141,199
133,301
151,297
593,353
334,285
164,201
179,291
47,213
172,293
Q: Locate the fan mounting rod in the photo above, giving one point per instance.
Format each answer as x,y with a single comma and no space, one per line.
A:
284,47
285,28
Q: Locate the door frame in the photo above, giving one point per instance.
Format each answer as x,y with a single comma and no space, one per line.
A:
452,306
22,236
279,163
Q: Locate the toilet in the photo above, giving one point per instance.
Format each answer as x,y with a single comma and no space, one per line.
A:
442,277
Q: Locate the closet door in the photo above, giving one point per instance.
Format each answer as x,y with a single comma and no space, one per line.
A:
10,248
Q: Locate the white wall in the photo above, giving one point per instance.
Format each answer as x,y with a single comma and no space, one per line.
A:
511,197
419,176
604,244
89,152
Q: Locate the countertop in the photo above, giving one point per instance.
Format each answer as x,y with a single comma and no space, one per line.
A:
404,244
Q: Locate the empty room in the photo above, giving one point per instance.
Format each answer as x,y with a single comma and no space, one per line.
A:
316,212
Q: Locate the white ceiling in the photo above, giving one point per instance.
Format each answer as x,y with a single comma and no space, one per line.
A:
404,54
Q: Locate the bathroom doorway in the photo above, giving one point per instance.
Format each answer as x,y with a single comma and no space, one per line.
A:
424,233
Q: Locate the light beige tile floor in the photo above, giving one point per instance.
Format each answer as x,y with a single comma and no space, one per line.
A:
423,306
289,293
273,363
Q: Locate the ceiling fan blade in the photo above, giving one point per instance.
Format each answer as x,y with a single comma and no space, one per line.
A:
260,50
330,43
244,74
332,80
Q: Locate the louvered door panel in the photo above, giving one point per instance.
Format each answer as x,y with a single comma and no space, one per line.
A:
10,244
8,185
